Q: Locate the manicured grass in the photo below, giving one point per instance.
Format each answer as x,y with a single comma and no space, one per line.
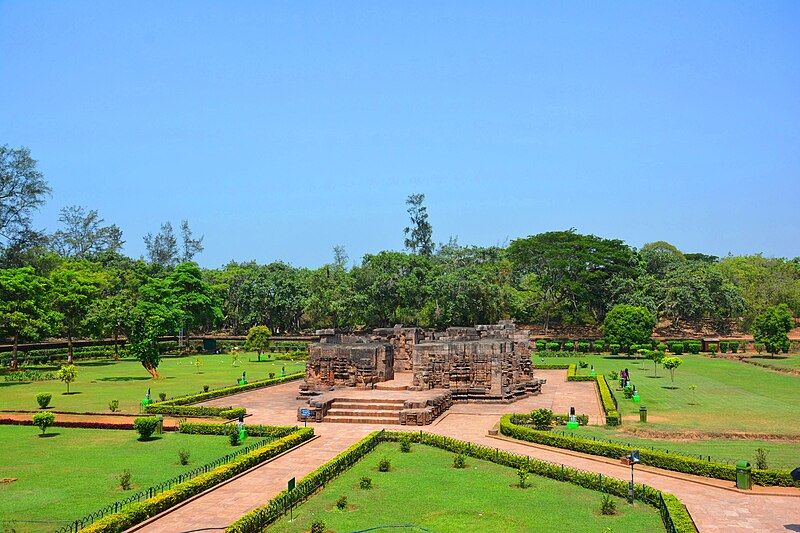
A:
73,472
424,489
99,382
779,361
780,455
730,396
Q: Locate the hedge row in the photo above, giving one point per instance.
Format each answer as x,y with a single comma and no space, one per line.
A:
276,432
676,463
607,399
139,512
572,374
72,424
166,408
551,366
162,407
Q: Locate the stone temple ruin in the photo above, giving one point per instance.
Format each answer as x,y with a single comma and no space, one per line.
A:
421,373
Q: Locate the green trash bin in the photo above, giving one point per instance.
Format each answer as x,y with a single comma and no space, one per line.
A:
744,477
642,414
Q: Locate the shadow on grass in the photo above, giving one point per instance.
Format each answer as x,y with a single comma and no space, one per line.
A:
655,377
670,387
150,438
124,378
48,435
104,362
769,357
11,383
70,393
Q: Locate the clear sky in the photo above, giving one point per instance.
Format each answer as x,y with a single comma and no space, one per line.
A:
281,129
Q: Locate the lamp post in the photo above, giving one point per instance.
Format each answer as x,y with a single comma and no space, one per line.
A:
633,458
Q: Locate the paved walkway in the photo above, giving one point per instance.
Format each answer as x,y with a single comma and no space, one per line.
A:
714,505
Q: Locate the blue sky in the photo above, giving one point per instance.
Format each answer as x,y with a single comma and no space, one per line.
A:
282,129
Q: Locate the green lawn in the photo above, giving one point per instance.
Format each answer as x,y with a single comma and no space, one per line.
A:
730,396
424,489
127,381
780,455
779,361
73,472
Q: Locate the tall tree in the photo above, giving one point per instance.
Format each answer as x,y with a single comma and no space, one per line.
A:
83,235
419,235
771,328
22,190
628,325
24,310
191,247
75,285
162,248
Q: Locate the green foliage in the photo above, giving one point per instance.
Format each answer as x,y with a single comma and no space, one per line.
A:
68,374
614,348
671,363
541,344
233,437
761,459
522,475
583,347
113,406
627,325
24,307
542,418
713,349
43,420
183,456
723,347
676,348
193,428
459,461
124,478
365,483
419,235
341,503
771,327
384,465
146,426
43,399
258,339
555,346
694,347
405,445
317,526
607,505
627,391
656,356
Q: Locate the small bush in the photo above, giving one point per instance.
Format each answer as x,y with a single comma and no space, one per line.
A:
317,526
554,346
183,455
694,347
459,461
712,348
43,420
162,396
614,349
271,375
583,364
583,347
365,483
734,346
723,347
124,478
569,346
661,347
146,426
676,348
608,506
384,465
43,399
405,445
598,345
761,459
341,503
205,388
541,345
628,392
113,406
614,375
542,418
522,474
234,437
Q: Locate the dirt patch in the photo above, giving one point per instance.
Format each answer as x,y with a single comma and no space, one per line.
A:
7,479
692,436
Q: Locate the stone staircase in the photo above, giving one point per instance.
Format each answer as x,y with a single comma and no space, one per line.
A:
359,411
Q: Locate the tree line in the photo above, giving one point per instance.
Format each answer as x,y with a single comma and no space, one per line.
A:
76,282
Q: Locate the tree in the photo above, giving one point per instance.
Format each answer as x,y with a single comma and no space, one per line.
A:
419,236
671,363
258,339
67,374
656,356
84,236
24,310
771,328
22,190
43,420
162,249
191,247
75,285
627,325
143,333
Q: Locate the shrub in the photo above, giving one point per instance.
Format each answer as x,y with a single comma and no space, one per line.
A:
694,347
234,437
569,346
317,526
734,346
146,426
271,375
598,345
162,396
607,505
628,392
68,374
723,347
43,399
384,465
459,461
554,346
583,364
183,455
661,347
341,503
613,348
124,478
205,388
405,445
541,344
113,406
583,347
43,420
614,375
761,459
713,348
676,348
542,418
365,483
522,474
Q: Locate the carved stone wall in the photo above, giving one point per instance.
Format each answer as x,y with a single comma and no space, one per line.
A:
403,340
359,364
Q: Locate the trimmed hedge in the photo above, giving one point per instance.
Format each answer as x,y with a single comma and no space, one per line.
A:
257,519
139,512
165,408
606,397
551,366
276,432
572,374
676,463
